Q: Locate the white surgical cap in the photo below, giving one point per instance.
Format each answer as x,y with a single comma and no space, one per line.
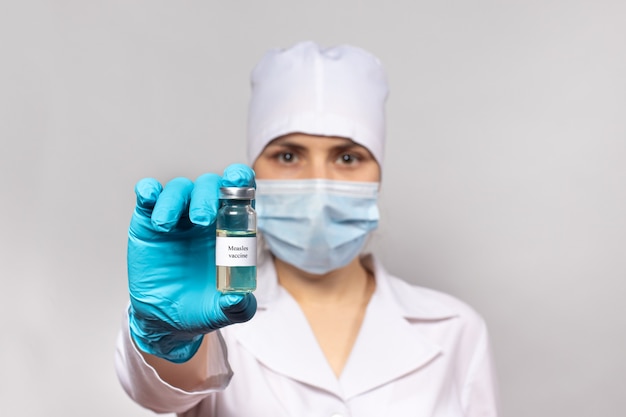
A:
339,91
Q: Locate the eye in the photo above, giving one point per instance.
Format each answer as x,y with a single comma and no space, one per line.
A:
286,157
348,158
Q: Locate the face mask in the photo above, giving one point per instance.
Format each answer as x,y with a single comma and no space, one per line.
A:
316,225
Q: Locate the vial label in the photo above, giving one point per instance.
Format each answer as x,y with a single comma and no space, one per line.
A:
237,250
235,261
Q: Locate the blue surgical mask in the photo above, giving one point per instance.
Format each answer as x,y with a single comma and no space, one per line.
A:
316,225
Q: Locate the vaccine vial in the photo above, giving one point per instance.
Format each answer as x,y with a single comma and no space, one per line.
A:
235,246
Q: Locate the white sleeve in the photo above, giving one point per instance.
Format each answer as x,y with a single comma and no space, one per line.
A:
480,394
142,383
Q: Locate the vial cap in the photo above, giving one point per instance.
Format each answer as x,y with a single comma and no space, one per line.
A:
237,193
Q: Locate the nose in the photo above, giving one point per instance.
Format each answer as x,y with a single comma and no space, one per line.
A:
317,167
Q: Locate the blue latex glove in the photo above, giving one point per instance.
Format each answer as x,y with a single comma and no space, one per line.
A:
171,265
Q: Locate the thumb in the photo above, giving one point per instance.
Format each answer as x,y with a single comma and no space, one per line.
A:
238,307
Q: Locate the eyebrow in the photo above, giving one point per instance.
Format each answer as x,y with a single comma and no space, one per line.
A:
347,144
286,144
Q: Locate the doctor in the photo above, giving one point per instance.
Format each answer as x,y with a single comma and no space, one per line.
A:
333,333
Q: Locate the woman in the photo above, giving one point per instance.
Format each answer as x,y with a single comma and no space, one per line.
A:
333,334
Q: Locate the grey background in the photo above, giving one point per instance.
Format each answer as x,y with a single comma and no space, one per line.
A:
504,181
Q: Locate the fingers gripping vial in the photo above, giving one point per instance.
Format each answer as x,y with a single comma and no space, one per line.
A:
235,246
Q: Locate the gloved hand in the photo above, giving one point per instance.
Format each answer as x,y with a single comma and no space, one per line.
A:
171,265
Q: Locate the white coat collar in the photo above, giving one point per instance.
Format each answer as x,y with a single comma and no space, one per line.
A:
388,346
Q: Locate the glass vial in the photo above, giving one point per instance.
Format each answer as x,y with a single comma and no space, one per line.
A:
235,247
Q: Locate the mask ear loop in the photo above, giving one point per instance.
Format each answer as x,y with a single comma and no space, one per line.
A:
263,253
375,235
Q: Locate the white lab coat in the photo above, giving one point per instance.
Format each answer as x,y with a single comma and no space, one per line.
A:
419,353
